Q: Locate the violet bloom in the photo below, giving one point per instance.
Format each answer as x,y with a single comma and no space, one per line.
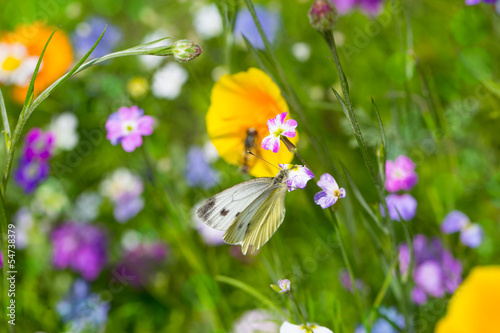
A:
140,263
80,247
436,272
87,33
345,281
29,174
127,206
84,311
476,2
38,145
404,206
331,191
298,176
127,126
471,234
244,26
278,127
199,173
369,7
400,174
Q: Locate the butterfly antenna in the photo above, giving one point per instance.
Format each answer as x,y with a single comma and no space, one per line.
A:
263,160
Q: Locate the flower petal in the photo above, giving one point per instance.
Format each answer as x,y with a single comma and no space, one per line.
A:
289,128
129,143
324,200
145,125
327,183
472,235
454,222
272,143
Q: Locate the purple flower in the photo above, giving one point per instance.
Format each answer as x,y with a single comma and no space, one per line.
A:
278,127
400,174
400,205
345,281
244,26
298,176
80,247
199,173
127,206
84,311
29,174
87,33
471,234
331,191
475,2
38,145
435,270
141,262
369,7
1,259
127,126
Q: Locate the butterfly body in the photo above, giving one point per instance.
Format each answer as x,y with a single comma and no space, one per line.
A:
249,212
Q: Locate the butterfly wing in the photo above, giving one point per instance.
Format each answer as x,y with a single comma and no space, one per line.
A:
221,210
259,221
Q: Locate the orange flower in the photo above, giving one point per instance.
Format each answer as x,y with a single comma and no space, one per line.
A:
241,105
475,306
56,59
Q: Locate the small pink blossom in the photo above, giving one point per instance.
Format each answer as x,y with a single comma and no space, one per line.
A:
284,285
298,176
278,127
400,174
331,191
127,126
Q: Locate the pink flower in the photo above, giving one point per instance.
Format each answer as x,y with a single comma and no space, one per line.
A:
278,127
331,191
127,126
298,176
284,285
400,174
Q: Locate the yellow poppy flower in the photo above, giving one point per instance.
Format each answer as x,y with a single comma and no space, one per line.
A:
475,305
241,104
56,59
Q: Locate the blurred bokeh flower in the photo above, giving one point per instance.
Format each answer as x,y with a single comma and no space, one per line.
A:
168,81
50,199
24,221
64,128
81,247
208,22
301,51
29,174
137,87
82,310
243,101
142,262
124,189
400,174
56,60
210,236
38,145
298,176
199,173
287,327
345,281
400,206
127,126
475,2
435,273
369,7
331,191
87,33
244,26
382,325
256,321
86,207
474,306
16,65
278,127
471,234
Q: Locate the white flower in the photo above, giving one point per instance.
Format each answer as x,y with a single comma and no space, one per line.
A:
256,321
121,183
16,65
301,51
208,22
50,199
64,128
168,81
24,221
286,327
151,61
87,206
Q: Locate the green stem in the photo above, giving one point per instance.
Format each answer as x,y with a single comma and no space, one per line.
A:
301,315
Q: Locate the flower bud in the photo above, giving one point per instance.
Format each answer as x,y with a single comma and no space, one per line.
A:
185,50
323,15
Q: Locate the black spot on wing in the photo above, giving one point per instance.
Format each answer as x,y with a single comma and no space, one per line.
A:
206,208
224,212
237,214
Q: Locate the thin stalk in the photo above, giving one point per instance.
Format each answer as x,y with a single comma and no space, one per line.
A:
301,315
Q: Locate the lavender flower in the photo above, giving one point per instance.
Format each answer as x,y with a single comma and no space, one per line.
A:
400,174
400,206
476,2
29,174
382,325
245,26
38,145
331,191
369,7
471,234
84,311
435,271
127,126
86,34
141,262
298,176
80,247
199,173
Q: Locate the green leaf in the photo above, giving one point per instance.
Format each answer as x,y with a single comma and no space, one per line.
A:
5,121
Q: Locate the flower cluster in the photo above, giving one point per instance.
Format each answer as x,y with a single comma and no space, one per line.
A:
127,126
436,272
82,310
471,234
34,166
124,189
81,247
400,176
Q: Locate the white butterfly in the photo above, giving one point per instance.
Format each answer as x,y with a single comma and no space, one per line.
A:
249,212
